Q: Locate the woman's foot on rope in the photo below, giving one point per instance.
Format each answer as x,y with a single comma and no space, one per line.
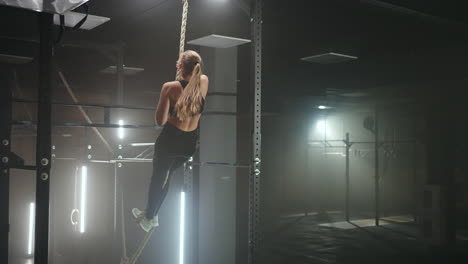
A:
146,224
139,215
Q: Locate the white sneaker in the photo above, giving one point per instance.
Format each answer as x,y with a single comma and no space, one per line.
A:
146,224
139,215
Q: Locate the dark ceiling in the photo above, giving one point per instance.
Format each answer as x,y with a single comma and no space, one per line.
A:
397,41
395,45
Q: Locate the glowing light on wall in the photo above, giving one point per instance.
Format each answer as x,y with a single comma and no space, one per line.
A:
32,212
84,182
141,144
321,126
182,228
121,130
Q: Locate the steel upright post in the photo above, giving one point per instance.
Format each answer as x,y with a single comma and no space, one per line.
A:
5,147
254,185
43,144
377,176
348,146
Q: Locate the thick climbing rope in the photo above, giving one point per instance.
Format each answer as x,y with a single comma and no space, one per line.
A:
146,239
183,30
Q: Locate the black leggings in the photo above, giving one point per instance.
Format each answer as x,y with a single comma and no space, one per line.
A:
172,149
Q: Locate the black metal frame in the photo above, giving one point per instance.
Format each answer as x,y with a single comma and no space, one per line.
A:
254,182
348,147
377,167
377,145
5,148
44,146
44,142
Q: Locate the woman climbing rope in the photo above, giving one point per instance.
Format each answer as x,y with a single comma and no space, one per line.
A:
179,110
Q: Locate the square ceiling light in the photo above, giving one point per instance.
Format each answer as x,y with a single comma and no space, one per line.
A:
218,41
13,59
46,6
72,18
127,70
329,58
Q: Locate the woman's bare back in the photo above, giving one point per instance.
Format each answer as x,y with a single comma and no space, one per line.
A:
175,90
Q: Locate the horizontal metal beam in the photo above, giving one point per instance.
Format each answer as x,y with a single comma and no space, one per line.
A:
220,164
138,160
109,106
116,106
67,124
198,164
24,167
365,142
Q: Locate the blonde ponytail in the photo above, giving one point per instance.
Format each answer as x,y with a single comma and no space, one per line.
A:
190,101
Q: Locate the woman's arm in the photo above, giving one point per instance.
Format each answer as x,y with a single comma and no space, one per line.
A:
162,111
204,82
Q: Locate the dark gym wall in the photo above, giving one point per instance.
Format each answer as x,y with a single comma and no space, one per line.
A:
404,59
310,178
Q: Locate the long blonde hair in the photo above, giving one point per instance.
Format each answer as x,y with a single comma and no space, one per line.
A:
190,101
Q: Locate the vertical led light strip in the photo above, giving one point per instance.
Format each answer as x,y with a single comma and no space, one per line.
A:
182,228
32,211
121,129
84,182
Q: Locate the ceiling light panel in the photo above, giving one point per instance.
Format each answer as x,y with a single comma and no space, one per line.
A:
46,6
